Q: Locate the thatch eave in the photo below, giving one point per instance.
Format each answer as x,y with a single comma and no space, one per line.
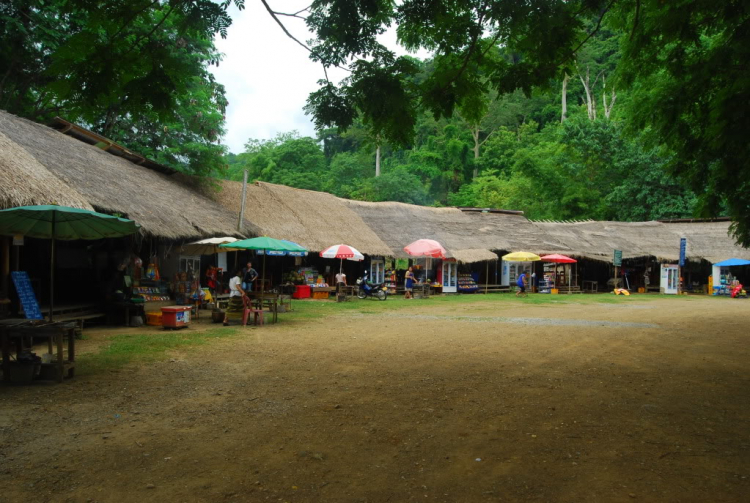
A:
166,207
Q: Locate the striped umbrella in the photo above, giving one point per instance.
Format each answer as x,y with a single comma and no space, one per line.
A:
342,252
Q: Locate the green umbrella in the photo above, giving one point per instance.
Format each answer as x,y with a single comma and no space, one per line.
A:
266,244
62,222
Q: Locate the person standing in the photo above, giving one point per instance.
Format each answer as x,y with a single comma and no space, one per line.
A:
236,297
409,280
521,285
249,275
340,281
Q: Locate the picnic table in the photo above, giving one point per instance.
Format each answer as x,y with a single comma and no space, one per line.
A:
590,286
17,335
266,300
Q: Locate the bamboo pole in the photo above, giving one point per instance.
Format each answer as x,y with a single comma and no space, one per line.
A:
242,204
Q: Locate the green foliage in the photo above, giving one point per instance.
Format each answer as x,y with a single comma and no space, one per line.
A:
288,159
125,68
687,68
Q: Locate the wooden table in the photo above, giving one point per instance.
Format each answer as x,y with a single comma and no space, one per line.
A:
269,300
18,335
590,286
349,290
423,289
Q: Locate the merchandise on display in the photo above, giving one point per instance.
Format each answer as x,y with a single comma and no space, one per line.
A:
466,284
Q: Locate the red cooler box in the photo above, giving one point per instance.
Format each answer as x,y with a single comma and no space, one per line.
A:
175,316
301,292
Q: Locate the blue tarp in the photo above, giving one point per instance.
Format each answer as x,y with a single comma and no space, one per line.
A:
732,261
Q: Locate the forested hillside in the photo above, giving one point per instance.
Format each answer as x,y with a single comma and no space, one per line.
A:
560,153
562,108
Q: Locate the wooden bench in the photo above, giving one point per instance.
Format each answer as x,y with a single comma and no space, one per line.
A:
493,288
75,312
568,290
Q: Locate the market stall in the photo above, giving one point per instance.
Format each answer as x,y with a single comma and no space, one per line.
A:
517,263
723,281
556,279
61,223
342,252
267,246
429,249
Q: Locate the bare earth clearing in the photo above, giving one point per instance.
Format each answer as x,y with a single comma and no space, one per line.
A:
498,399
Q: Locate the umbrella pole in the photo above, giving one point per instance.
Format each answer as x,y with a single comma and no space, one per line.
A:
263,279
52,271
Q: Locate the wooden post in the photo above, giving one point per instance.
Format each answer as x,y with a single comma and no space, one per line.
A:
486,277
52,271
6,267
615,284
242,204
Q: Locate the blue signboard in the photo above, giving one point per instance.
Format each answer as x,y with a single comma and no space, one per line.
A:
26,295
683,249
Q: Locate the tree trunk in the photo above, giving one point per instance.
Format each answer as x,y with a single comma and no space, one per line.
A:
587,87
475,135
608,109
377,161
564,98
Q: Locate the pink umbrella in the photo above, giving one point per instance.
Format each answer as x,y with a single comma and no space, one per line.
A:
561,259
425,248
342,252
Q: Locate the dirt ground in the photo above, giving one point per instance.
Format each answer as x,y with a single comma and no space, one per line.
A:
490,400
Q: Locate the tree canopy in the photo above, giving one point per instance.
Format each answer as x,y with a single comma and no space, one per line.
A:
654,87
684,64
133,70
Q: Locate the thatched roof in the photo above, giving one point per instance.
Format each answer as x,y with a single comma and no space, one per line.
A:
707,240
25,182
466,236
316,220
598,240
165,206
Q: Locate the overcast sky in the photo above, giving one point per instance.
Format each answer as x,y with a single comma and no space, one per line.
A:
267,75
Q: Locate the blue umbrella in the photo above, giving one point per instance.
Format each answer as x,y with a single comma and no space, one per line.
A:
732,261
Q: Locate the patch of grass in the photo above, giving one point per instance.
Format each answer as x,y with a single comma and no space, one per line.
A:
123,349
128,348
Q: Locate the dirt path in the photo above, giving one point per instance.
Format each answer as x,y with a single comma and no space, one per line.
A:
485,401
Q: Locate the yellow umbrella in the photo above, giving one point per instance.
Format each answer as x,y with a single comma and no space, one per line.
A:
521,257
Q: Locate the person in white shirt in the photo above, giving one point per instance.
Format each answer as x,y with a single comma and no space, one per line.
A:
236,297
340,281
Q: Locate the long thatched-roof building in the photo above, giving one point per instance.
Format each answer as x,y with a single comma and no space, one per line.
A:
41,165
316,220
707,240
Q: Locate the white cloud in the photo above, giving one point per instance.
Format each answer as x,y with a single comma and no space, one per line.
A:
267,75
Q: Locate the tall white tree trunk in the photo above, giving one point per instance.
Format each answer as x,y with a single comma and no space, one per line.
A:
475,135
377,161
588,88
564,98
608,109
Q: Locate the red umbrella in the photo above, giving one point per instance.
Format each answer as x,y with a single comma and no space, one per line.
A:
425,248
561,259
